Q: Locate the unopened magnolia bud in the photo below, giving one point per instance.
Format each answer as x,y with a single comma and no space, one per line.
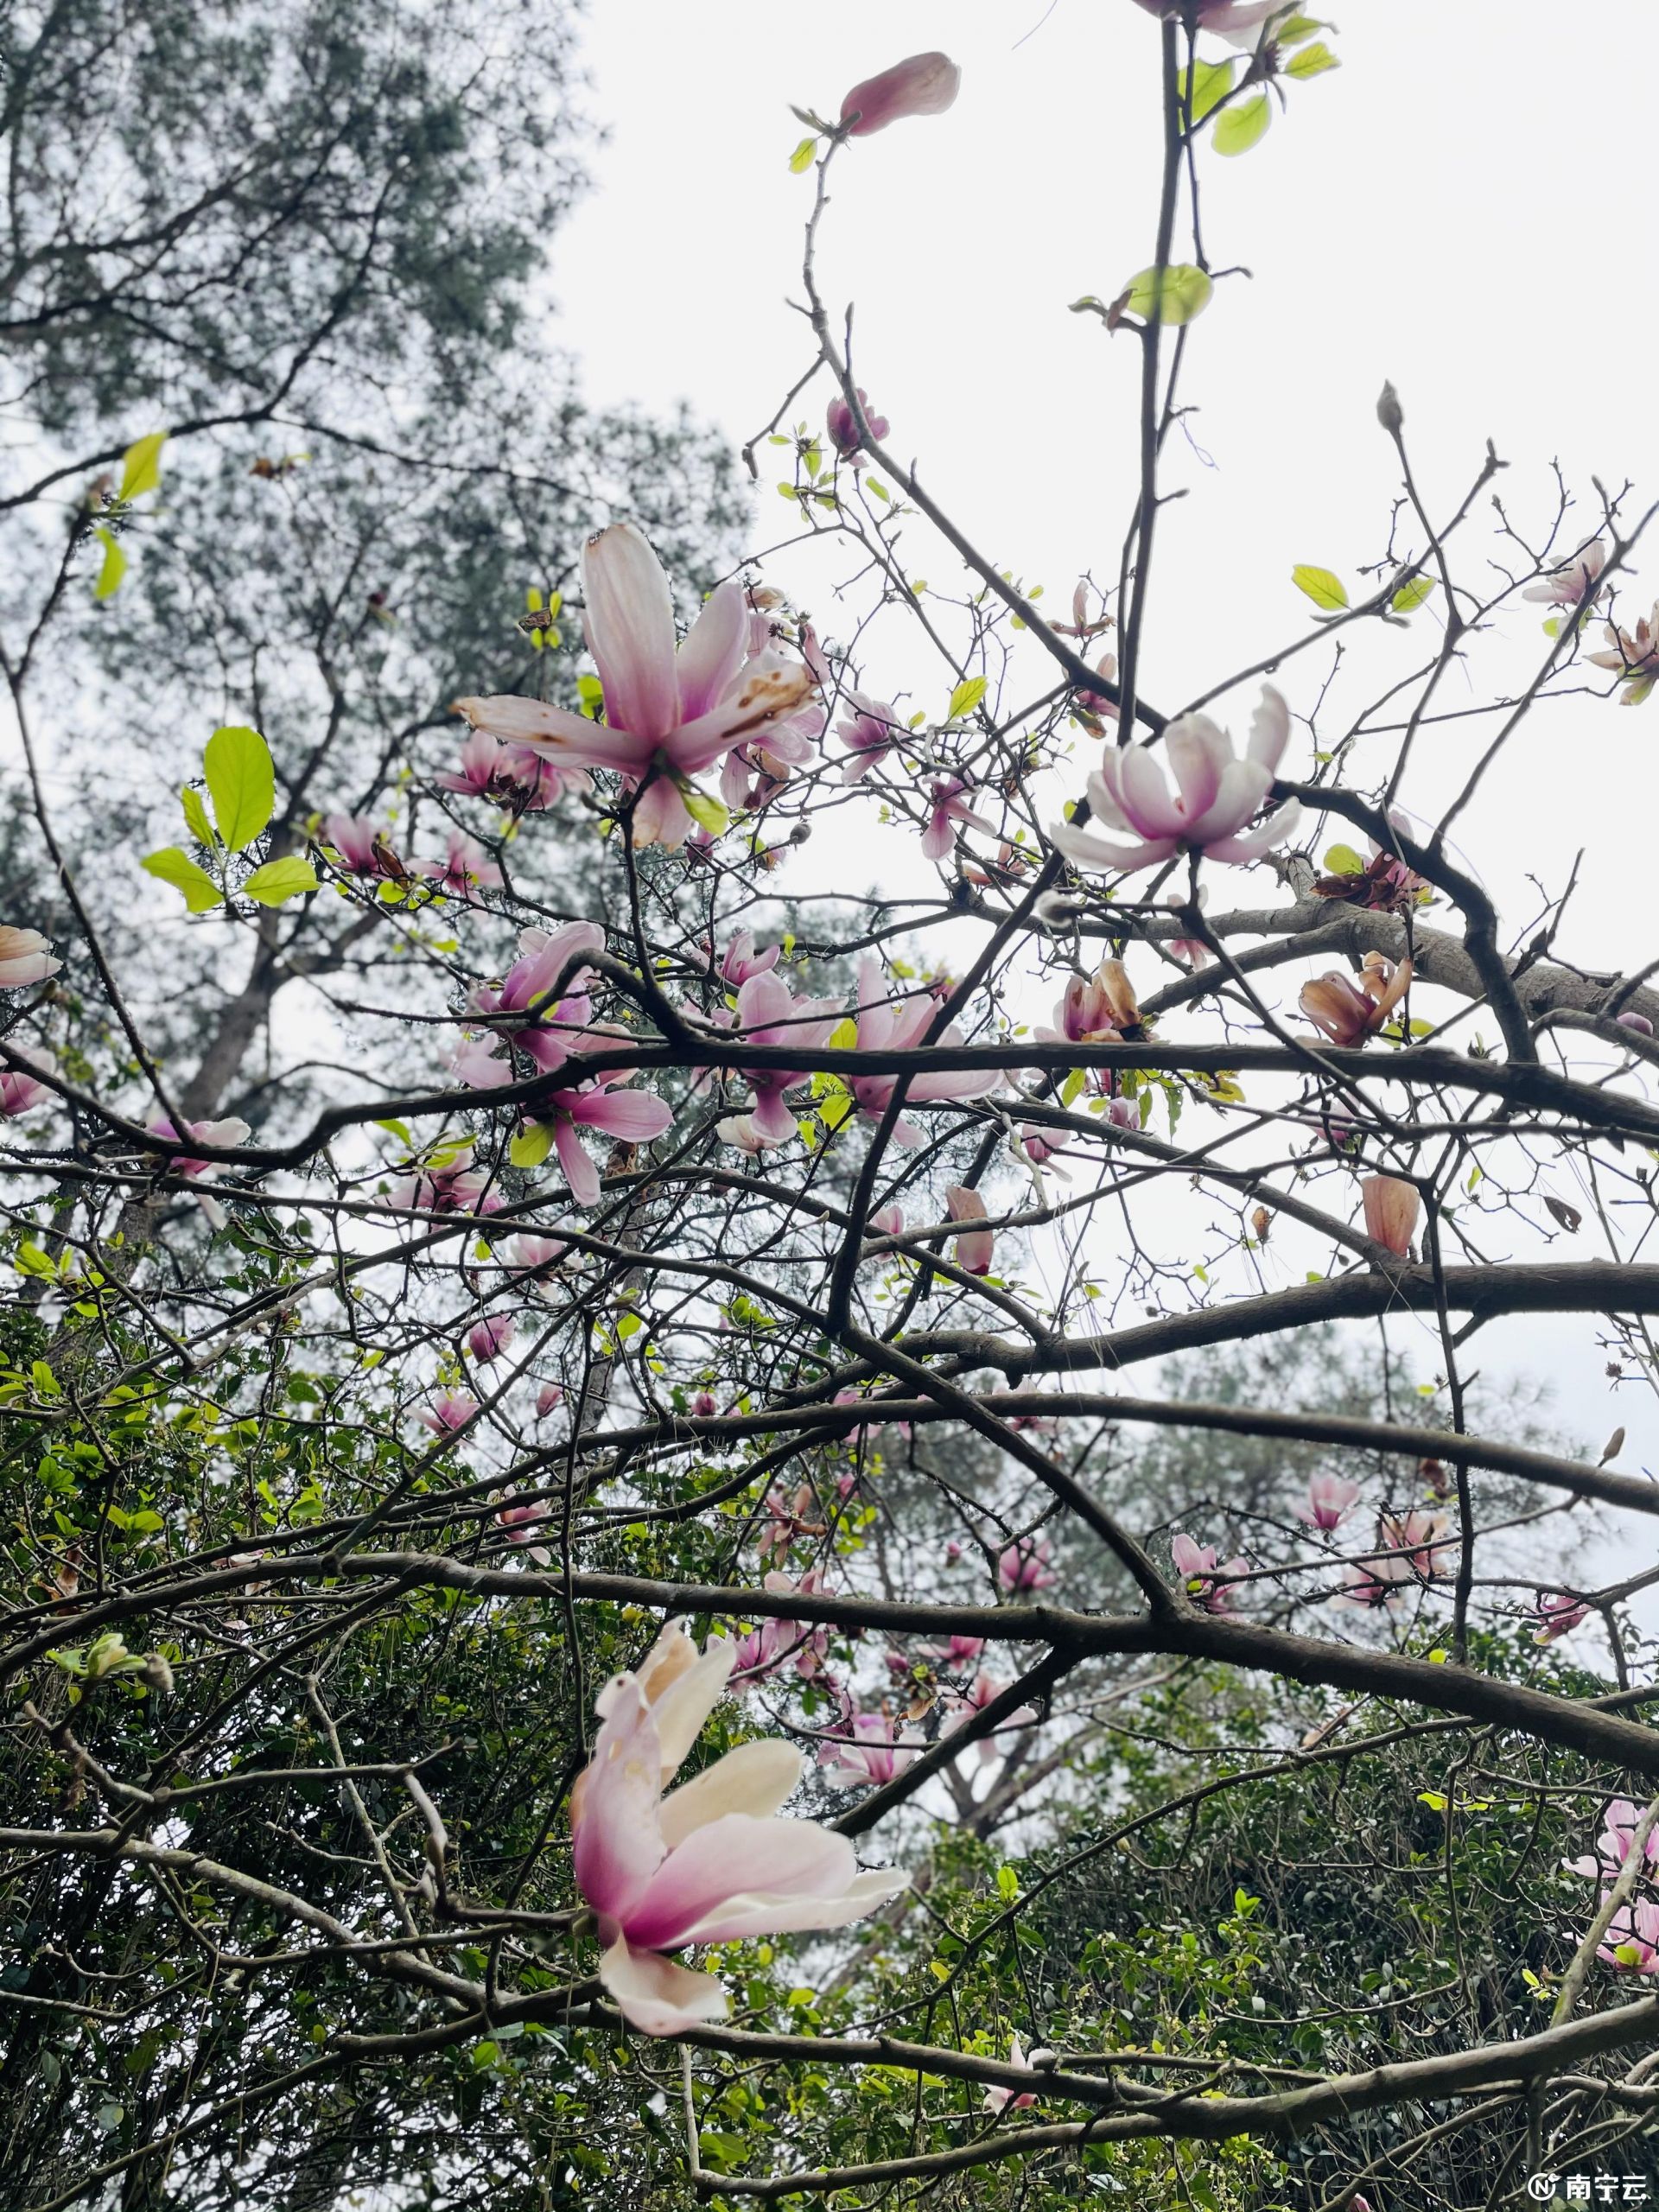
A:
157,1673
1614,1445
1389,413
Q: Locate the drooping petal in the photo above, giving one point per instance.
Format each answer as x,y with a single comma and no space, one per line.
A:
1096,857
1269,730
617,1845
631,631
1251,845
634,1115
713,651
741,1877
755,1778
656,1996
579,1169
556,734
770,1913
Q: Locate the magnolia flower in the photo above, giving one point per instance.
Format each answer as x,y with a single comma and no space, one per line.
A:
465,868
521,1522
230,1131
451,1184
1216,795
707,1864
704,1405
925,83
1040,1144
960,1651
1620,1820
361,845
547,1030
670,711
768,1012
1632,1941
1000,2101
1391,1209
1635,654
868,733
1196,1565
1024,1566
885,1027
1573,581
887,1221
740,960
481,770
868,1747
984,1690
487,1339
1191,951
1331,1499
634,1116
446,1414
843,426
1416,1537
25,958
1227,17
1094,1010
1347,1015
1556,1615
549,1399
19,1090
775,1643
1638,1022
948,806
974,1246
738,1130
534,1256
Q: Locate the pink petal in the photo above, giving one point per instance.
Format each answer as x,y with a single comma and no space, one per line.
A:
1269,730
1262,839
1199,756
618,1846
713,651
631,631
634,1115
1244,784
1146,795
1096,857
578,1170
656,1996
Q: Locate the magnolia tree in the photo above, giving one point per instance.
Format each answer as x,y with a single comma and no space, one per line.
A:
507,1564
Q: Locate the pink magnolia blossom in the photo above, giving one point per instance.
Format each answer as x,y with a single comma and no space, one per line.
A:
1556,1615
959,1652
884,1027
948,809
25,958
1620,1820
1635,654
1024,1567
19,1089
521,1523
452,1184
768,1012
1631,1942
998,2100
670,711
633,1116
708,1863
868,1747
465,869
534,1257
779,1643
740,960
887,1221
1094,1009
511,775
1196,1565
704,1406
1331,1499
1417,1535
974,1247
1639,1022
230,1131
868,733
547,1030
843,426
1232,18
549,1399
740,1132
481,770
1348,1015
1216,795
1573,581
1097,706
1191,951
1391,1209
963,1705
923,84
446,1414
1040,1144
786,1518
361,845
487,1339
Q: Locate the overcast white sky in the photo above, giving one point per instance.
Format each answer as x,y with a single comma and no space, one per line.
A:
1465,206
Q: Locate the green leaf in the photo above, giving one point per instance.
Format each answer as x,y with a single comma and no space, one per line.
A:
140,467
1008,1883
1071,1088
195,816
530,1147
1412,594
200,891
113,568
1322,587
1313,61
1238,129
1343,860
1295,29
843,1037
966,696
1172,295
279,880
707,811
802,157
242,782
1211,82
1433,1799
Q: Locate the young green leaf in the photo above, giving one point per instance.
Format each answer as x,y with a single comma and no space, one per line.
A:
243,783
532,1147
276,881
195,815
1211,82
140,467
1343,860
1412,594
200,892
112,568
1324,589
1313,61
802,157
1176,294
966,696
1238,129
707,811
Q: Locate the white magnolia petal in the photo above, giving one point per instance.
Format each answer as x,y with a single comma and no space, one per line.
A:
754,1779
656,1996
